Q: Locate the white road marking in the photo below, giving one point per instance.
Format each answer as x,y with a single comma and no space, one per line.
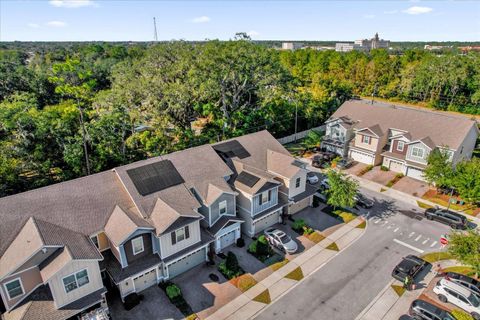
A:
433,244
411,234
378,221
408,246
425,241
417,238
389,227
385,222
396,230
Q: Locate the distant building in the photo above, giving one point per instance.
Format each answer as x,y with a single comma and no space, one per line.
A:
469,48
291,45
433,48
363,45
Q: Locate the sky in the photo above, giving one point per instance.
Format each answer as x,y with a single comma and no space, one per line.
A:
130,20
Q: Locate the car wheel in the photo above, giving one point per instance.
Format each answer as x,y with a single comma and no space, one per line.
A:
429,217
453,226
442,298
476,316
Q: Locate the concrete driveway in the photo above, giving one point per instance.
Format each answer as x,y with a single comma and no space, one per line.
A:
155,305
202,294
379,176
319,220
356,168
412,186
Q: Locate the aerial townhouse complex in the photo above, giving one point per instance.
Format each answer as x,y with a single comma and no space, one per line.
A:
397,137
137,225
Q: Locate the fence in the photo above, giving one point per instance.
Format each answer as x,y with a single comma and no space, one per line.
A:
299,135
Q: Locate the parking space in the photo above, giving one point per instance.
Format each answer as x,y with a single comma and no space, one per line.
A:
379,176
318,220
411,186
356,168
302,242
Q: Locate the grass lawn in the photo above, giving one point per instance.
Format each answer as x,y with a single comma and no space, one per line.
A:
424,205
296,274
362,225
436,256
442,200
244,282
296,149
278,265
383,189
399,290
263,297
394,180
333,246
193,316
315,237
461,269
343,215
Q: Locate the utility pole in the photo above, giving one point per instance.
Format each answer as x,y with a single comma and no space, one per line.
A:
155,35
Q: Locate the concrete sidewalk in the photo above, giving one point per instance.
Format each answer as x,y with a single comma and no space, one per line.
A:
281,281
387,305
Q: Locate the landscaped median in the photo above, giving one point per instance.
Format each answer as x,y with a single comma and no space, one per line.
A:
287,274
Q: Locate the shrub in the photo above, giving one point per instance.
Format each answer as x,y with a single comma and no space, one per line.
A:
307,230
262,246
229,273
298,225
252,248
173,292
232,262
365,170
240,242
383,168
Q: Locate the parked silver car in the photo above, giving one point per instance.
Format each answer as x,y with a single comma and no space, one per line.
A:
281,240
312,178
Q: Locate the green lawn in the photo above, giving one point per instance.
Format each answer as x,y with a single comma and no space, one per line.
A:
263,297
424,205
436,256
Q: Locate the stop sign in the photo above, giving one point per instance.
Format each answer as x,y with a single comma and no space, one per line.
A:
444,240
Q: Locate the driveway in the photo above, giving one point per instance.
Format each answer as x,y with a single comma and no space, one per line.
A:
202,294
356,168
319,220
411,186
379,176
302,242
155,305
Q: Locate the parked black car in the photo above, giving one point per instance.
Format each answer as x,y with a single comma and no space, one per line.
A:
410,266
465,281
344,163
453,219
322,157
423,310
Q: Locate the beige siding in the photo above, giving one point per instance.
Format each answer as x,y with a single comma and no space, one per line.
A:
468,146
166,246
126,287
243,201
372,146
58,290
30,279
300,205
115,252
292,191
103,242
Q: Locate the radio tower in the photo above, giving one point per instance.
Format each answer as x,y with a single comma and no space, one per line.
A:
155,35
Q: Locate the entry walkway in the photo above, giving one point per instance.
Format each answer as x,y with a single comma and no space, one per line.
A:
281,281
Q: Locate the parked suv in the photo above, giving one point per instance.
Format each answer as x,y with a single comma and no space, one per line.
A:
453,219
423,310
449,291
464,281
410,266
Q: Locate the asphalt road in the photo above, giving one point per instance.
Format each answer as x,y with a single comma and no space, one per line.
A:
348,283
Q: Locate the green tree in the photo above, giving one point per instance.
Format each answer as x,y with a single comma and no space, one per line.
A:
465,247
342,189
313,139
439,170
467,180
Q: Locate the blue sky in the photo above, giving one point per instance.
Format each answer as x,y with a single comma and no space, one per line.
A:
82,20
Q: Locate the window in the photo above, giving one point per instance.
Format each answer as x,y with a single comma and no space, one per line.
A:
137,245
223,207
400,146
417,152
297,183
366,139
180,234
14,288
75,280
264,197
95,241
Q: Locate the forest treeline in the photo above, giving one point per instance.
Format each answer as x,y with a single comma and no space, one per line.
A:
70,111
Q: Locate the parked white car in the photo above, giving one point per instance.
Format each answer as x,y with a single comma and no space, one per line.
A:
281,240
312,177
449,291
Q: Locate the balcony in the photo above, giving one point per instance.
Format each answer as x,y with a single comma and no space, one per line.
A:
334,142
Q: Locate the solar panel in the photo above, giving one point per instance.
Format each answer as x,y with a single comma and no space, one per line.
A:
232,149
155,177
247,179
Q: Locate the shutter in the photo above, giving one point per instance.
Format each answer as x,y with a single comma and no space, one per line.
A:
269,195
174,237
187,232
260,199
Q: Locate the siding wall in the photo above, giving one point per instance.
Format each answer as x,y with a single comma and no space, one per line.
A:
244,202
373,145
292,191
468,146
166,246
115,252
30,279
58,290
147,246
257,208
395,145
215,210
420,145
103,242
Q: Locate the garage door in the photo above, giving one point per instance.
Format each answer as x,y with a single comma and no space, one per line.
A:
266,222
226,240
396,166
300,205
145,280
186,263
361,157
415,173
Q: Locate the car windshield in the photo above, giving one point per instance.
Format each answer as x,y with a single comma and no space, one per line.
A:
311,174
285,238
474,300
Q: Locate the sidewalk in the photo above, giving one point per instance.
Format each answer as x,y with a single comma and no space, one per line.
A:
388,305
284,279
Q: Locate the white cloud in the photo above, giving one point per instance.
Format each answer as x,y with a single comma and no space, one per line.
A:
202,19
253,33
418,10
368,16
72,3
33,25
390,11
56,24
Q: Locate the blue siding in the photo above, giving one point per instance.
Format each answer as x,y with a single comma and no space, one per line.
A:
257,208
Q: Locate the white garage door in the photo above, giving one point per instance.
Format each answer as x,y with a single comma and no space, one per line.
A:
415,173
186,263
396,166
362,157
226,240
266,222
145,280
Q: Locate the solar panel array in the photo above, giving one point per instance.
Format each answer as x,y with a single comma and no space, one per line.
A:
155,177
232,149
247,179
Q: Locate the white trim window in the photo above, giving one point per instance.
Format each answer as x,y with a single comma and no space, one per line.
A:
297,183
75,280
417,152
366,139
14,288
137,245
264,197
400,146
180,234
222,207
